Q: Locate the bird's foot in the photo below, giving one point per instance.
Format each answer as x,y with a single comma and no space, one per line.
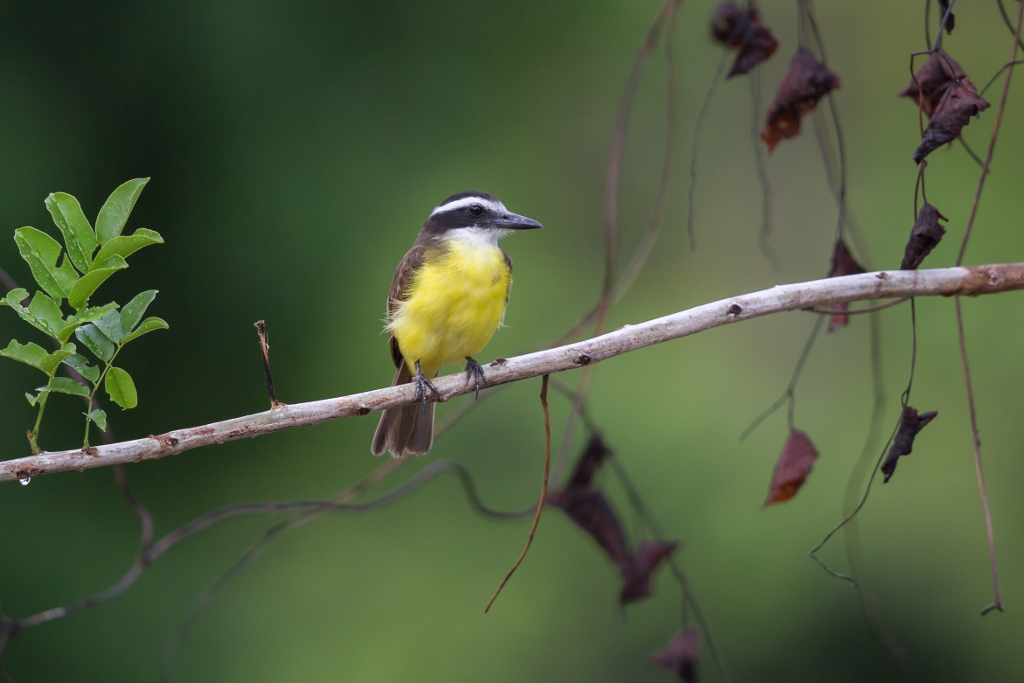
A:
475,374
422,384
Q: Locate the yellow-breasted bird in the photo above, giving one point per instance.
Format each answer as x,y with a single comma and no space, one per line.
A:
447,298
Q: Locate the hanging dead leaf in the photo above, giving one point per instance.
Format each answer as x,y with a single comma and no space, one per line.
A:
959,103
592,513
636,571
843,263
944,7
730,24
910,424
593,457
742,29
926,233
590,510
806,82
588,507
931,81
681,655
792,468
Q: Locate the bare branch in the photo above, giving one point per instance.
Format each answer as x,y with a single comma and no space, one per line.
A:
959,281
261,330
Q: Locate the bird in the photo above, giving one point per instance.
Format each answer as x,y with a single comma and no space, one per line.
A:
447,299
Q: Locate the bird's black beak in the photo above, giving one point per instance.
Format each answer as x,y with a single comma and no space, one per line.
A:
514,221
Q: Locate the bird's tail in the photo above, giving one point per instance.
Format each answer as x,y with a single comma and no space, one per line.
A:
408,429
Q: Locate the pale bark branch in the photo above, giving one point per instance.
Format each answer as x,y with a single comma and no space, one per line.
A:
969,281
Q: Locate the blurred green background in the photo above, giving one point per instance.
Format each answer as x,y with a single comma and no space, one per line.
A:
296,148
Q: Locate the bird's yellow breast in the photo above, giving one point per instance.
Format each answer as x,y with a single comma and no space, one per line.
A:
453,304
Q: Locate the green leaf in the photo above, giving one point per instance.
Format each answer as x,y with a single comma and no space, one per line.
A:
91,314
32,400
91,281
59,385
148,325
133,311
47,312
28,316
16,296
50,363
30,354
95,341
99,417
81,364
65,332
121,388
41,253
110,326
79,238
65,385
110,222
126,245
86,315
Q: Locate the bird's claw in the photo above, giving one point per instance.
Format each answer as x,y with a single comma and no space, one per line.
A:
475,374
422,384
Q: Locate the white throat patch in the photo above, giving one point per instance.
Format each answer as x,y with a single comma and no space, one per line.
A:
477,237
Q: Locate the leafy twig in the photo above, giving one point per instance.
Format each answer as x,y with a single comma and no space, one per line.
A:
87,258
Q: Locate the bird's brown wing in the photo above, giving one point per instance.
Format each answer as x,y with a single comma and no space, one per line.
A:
410,264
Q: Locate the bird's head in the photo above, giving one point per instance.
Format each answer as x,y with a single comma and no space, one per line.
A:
475,215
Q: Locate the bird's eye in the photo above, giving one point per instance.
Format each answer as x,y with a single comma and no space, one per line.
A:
476,209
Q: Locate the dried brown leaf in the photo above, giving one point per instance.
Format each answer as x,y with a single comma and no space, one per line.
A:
806,82
592,513
843,263
742,29
931,81
910,424
636,571
943,7
588,507
681,655
926,233
959,103
792,467
730,24
590,462
590,510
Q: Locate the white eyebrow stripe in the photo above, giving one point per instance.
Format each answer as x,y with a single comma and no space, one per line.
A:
496,207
